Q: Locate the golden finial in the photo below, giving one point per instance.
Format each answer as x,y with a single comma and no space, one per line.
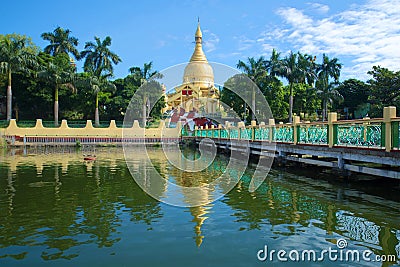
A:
198,31
198,54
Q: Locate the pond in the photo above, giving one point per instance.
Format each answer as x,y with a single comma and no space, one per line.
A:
59,210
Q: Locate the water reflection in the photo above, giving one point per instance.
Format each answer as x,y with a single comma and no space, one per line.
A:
56,204
301,202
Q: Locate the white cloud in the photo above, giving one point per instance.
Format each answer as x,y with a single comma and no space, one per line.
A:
244,43
295,17
320,8
210,42
367,34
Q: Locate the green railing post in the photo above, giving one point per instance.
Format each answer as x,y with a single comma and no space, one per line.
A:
388,114
332,129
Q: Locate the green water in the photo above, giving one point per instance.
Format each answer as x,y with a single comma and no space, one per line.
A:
56,209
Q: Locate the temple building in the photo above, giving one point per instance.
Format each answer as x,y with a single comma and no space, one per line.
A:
197,91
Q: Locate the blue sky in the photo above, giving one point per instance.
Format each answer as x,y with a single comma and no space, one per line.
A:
360,33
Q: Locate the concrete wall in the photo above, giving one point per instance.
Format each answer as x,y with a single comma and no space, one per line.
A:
89,130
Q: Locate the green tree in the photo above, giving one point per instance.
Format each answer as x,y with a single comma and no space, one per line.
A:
272,65
61,42
328,94
17,54
32,97
289,69
125,90
355,97
273,89
236,103
306,101
59,74
99,61
308,68
274,93
329,68
384,89
149,89
256,71
99,87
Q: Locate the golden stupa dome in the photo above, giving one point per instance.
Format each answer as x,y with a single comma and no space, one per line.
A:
198,70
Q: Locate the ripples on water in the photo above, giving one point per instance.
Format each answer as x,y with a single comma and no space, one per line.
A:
57,209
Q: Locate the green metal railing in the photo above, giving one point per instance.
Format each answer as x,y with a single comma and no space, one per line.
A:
315,134
283,134
262,133
364,133
346,134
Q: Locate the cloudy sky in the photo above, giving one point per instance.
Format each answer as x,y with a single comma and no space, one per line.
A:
360,33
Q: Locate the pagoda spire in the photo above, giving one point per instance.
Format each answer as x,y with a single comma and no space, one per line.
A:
198,54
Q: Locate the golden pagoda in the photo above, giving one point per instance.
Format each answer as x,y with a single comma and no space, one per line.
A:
197,92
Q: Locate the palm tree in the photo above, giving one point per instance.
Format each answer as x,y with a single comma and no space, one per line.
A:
272,65
14,57
96,85
308,68
289,69
330,68
296,68
99,60
328,94
60,42
58,77
145,75
256,71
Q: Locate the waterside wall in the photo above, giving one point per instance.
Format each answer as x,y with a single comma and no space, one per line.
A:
64,134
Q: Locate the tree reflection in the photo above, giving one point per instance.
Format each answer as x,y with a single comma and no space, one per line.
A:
73,203
59,210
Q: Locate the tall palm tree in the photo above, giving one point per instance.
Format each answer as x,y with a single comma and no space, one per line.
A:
272,65
99,61
145,75
329,68
58,77
96,85
328,93
290,70
308,68
256,71
14,57
61,42
296,68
